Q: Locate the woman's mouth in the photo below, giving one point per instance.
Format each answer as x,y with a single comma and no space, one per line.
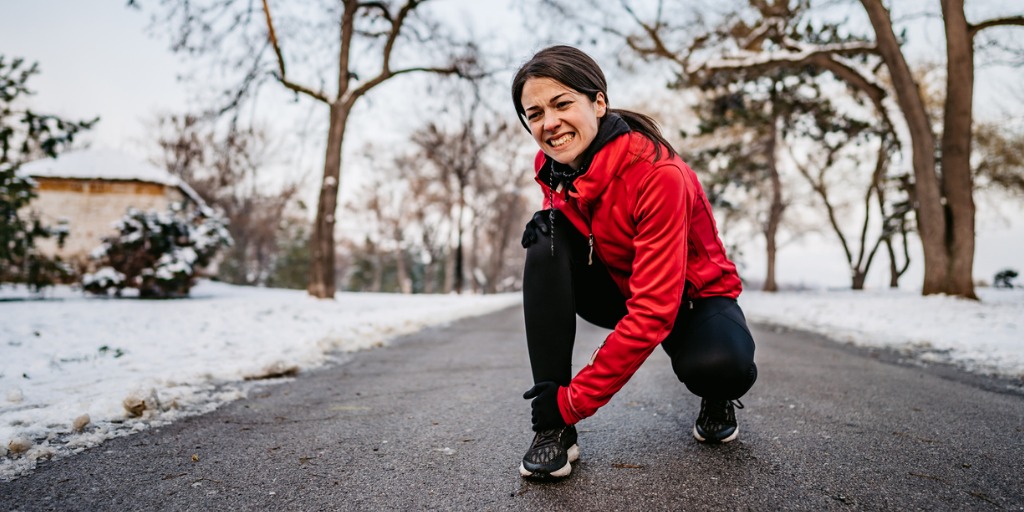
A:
561,141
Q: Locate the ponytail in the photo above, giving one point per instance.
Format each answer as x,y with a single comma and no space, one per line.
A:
647,127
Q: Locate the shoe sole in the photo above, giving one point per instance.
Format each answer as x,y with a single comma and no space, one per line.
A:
574,455
732,437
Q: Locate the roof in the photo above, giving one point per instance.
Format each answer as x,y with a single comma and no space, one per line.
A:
105,164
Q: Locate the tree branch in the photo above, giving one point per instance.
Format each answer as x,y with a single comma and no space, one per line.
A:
973,29
658,47
762,60
819,188
380,6
280,75
827,57
385,70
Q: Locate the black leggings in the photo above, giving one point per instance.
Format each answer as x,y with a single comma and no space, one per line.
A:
710,345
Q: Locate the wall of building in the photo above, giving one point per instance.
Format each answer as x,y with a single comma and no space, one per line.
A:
92,207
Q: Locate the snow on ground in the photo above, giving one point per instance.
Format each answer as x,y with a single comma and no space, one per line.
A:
985,337
70,355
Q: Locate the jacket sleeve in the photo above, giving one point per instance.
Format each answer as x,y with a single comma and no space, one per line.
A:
656,287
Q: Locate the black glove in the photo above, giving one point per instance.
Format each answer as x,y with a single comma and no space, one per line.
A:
546,415
537,226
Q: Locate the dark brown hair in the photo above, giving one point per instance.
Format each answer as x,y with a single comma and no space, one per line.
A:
578,71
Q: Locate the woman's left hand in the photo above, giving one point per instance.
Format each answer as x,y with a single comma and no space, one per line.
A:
546,415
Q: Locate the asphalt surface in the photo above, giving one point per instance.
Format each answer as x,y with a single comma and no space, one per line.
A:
436,421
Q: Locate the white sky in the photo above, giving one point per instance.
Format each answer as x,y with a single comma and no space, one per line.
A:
96,58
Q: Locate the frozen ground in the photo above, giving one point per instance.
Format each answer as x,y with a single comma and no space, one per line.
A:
75,370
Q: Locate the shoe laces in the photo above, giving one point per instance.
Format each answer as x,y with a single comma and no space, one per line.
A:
546,445
718,411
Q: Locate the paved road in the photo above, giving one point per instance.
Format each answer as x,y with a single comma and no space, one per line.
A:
436,422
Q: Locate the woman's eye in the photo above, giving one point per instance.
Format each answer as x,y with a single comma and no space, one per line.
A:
533,116
563,104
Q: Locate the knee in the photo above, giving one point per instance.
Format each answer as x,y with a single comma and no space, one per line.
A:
719,378
554,249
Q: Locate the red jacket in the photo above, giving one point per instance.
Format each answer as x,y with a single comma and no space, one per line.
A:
652,227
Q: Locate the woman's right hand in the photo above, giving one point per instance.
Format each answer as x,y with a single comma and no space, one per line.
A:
537,226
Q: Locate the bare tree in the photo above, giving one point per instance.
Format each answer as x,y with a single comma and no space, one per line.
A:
456,155
458,189
500,204
362,29
403,213
858,254
943,201
226,170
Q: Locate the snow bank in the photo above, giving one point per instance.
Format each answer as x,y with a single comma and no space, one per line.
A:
985,337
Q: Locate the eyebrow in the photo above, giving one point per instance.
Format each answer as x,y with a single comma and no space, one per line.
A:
552,100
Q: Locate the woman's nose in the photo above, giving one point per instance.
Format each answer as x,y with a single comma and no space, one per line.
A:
551,123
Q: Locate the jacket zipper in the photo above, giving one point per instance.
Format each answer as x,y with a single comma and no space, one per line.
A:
590,238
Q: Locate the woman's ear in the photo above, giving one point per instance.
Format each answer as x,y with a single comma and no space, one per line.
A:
601,105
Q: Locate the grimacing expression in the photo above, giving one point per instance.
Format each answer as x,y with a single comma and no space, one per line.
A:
562,121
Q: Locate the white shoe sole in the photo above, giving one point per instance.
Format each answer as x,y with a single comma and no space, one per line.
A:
732,437
574,455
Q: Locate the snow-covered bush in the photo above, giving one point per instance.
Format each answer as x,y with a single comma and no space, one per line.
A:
159,253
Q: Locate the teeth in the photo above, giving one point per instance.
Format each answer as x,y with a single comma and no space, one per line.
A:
564,139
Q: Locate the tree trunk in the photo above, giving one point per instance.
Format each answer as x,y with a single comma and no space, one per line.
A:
449,271
474,259
931,222
377,283
459,263
404,282
894,273
321,270
957,183
859,276
774,211
430,271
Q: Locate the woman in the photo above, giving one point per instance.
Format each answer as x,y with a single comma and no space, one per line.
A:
626,241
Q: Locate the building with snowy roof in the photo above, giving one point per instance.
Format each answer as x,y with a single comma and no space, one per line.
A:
92,189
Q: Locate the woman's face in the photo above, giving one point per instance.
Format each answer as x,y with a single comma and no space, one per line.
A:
563,122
